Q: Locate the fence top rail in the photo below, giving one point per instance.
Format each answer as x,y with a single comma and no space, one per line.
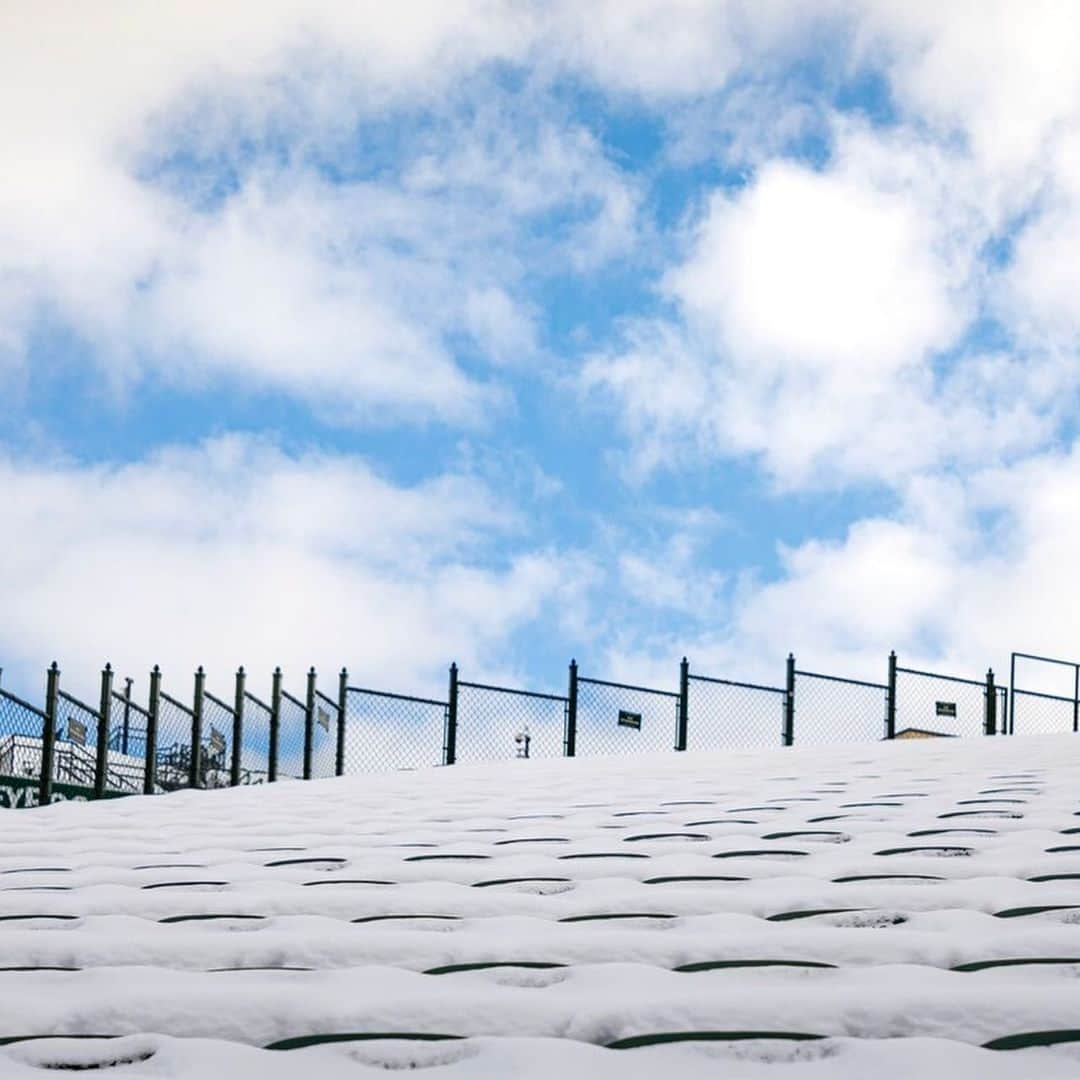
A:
296,701
1048,697
329,701
740,685
25,704
126,701
218,702
946,678
840,679
628,686
176,704
396,697
1045,659
258,701
71,699
511,690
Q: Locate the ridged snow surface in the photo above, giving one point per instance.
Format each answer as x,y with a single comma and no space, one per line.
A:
874,910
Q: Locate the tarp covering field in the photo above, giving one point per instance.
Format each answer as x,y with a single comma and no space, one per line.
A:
883,910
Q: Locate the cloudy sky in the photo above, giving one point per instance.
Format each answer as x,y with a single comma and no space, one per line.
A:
387,334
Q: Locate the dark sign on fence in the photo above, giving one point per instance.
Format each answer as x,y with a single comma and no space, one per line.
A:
630,719
946,708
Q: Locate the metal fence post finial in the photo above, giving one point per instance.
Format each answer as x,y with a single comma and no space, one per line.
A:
195,777
101,764
789,702
570,737
343,693
450,745
275,726
309,722
890,699
684,705
153,712
991,703
238,727
48,734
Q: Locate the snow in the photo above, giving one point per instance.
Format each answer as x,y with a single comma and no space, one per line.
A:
539,911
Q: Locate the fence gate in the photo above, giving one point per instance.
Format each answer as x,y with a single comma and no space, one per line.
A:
832,709
496,722
386,731
1050,700
618,718
723,713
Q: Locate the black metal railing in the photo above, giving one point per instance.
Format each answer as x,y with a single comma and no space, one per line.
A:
72,748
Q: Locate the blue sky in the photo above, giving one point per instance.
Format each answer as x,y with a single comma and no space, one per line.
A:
493,332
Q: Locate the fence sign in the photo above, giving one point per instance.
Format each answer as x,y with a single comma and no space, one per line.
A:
324,719
946,708
76,732
217,741
630,719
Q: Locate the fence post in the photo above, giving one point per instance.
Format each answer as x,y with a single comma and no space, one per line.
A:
275,725
1012,696
237,727
195,764
1076,697
991,703
126,731
48,735
153,712
789,703
309,722
450,747
342,698
570,735
890,699
104,715
684,704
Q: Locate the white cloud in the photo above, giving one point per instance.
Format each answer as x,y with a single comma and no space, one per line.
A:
234,552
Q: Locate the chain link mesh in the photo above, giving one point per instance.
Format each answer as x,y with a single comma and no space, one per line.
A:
617,719
833,710
495,723
126,756
1035,713
255,748
925,703
291,737
217,738
724,713
391,731
324,737
173,766
74,754
21,727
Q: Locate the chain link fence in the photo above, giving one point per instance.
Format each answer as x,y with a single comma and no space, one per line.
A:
617,718
173,767
928,704
392,731
291,737
723,713
255,744
494,723
1037,713
217,741
21,728
829,709
75,749
126,754
324,737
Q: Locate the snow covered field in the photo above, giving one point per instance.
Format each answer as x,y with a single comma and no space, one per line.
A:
562,917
